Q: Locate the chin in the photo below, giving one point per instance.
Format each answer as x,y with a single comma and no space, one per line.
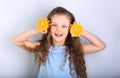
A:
59,39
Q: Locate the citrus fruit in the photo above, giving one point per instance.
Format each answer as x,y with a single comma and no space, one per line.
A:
76,29
42,24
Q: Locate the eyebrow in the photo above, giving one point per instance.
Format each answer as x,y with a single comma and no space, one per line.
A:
62,24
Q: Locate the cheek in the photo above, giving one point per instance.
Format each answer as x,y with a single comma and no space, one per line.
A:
66,32
52,31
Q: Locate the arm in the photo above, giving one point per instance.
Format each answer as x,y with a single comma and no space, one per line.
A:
22,39
95,44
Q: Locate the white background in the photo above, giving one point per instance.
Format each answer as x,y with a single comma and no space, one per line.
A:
100,17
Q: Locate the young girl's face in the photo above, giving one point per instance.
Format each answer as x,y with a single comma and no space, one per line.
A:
59,28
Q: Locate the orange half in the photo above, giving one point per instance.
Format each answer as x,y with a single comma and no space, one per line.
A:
42,24
76,30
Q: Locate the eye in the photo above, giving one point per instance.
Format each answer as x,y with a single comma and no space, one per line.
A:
64,26
54,25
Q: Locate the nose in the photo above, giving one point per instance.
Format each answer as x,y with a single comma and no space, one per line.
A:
58,28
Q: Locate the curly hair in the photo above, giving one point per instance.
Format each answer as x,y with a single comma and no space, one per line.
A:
73,47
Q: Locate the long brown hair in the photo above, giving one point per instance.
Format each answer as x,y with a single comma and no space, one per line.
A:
73,47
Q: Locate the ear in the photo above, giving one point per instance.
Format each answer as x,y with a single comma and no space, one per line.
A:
70,26
49,23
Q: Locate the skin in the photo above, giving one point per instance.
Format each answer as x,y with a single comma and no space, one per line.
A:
60,25
59,29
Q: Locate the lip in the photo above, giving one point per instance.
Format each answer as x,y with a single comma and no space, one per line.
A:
58,34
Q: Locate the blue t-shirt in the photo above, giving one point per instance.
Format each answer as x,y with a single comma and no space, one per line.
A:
55,66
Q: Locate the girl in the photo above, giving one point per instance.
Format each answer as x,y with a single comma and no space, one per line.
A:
58,53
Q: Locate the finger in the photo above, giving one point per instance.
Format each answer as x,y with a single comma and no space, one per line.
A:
44,32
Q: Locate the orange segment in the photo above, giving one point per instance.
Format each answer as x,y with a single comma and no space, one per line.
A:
42,24
76,30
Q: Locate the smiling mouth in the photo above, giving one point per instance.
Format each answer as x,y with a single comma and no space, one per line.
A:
58,35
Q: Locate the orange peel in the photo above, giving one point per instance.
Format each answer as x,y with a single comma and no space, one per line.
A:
42,24
76,29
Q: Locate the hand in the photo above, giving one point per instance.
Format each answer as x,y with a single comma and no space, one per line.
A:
44,32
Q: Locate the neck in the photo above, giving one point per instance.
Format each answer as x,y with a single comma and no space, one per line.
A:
57,43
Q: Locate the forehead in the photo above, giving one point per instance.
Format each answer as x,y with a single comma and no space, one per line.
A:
60,18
